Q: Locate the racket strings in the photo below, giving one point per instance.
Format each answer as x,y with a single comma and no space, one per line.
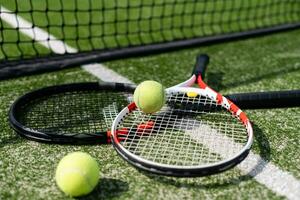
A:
73,113
196,103
183,136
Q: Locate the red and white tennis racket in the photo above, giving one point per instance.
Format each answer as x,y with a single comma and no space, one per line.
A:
198,132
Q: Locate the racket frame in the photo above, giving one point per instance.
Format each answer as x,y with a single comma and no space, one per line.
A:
187,171
29,133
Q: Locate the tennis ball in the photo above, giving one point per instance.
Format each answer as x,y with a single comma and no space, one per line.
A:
149,96
77,174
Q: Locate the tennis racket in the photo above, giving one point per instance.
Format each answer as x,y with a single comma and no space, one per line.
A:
271,99
77,113
198,132
258,100
83,112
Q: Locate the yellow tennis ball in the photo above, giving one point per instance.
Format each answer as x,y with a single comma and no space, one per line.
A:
149,96
77,174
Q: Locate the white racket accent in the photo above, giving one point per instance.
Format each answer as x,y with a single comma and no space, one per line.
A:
198,132
182,137
187,83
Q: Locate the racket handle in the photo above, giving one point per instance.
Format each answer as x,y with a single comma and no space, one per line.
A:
273,99
201,64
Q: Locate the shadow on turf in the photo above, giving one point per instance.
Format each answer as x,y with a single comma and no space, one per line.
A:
107,188
227,178
215,78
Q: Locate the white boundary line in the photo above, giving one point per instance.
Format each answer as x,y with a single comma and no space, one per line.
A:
57,46
266,173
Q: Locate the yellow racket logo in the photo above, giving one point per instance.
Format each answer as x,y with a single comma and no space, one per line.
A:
192,94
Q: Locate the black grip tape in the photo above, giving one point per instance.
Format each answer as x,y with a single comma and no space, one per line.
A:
273,99
201,64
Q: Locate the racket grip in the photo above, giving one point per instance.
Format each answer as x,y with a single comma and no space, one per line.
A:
201,64
273,99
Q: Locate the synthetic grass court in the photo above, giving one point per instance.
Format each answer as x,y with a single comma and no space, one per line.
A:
27,168
259,64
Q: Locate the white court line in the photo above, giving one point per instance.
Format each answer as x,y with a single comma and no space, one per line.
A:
57,46
266,173
104,73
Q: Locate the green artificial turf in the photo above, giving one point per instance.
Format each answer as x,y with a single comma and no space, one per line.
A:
258,64
27,167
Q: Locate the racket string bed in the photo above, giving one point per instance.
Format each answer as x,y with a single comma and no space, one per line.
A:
137,134
159,126
184,132
110,112
72,113
198,132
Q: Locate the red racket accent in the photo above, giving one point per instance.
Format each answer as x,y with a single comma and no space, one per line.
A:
123,131
108,140
243,118
233,108
108,137
203,85
145,127
219,98
131,106
200,82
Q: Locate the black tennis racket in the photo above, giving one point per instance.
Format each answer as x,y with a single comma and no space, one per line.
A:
83,112
198,132
77,113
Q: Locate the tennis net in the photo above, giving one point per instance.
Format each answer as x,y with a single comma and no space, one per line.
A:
43,35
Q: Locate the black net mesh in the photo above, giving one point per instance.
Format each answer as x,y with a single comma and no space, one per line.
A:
42,28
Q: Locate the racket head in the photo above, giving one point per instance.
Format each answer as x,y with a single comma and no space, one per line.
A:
198,132
77,113
189,137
